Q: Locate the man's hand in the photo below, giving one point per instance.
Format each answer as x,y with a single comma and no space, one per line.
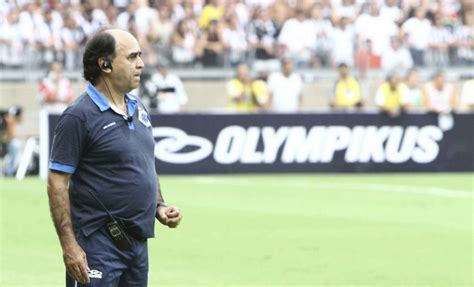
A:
168,215
76,263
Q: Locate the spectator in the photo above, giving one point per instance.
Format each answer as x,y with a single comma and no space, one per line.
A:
391,11
467,96
50,34
413,97
243,94
440,40
260,3
463,44
211,46
367,59
417,32
183,44
12,46
285,89
346,94
164,30
55,91
439,96
123,17
72,37
323,30
396,57
280,12
167,90
262,37
345,8
9,138
235,39
297,38
177,11
243,13
147,19
212,11
377,28
343,43
390,95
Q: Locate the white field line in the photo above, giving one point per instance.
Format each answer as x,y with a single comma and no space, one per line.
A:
396,188
425,190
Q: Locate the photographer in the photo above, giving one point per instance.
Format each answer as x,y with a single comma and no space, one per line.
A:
166,91
10,144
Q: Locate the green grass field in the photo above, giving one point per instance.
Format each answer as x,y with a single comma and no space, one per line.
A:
287,230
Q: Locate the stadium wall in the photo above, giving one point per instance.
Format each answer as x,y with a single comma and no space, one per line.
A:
204,96
322,142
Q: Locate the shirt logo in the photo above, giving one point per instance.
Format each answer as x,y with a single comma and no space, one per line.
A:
143,117
109,125
95,274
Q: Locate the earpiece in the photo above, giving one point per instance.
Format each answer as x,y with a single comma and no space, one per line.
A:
106,64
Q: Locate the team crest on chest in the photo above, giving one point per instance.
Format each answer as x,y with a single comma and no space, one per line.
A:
143,117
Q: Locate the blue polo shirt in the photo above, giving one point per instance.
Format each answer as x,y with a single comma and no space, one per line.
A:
111,156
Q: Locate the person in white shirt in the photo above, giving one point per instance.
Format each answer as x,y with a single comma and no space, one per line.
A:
285,89
439,96
235,40
467,96
376,27
396,57
323,30
168,90
297,38
417,32
342,40
391,11
440,40
12,46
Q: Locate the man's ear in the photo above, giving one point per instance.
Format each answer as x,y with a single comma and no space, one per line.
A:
105,65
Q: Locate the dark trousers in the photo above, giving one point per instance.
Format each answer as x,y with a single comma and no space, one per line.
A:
111,267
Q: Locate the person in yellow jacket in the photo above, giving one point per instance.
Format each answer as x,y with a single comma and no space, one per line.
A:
346,93
245,95
390,95
213,10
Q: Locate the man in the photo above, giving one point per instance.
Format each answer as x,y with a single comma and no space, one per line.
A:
346,90
55,90
167,90
102,184
439,96
397,57
285,89
244,94
467,96
390,95
11,145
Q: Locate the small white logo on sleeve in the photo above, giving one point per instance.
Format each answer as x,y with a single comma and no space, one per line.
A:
109,125
95,274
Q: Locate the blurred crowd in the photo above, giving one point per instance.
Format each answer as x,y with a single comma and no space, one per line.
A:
378,34
283,92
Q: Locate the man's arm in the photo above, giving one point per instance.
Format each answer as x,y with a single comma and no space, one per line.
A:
74,257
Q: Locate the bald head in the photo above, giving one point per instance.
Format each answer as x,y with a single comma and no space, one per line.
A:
105,44
123,39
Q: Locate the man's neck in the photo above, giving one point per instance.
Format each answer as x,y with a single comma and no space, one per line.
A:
116,99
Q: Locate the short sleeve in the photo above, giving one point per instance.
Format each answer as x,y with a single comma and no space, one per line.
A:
68,144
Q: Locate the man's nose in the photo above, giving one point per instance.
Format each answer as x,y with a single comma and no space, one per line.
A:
140,63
